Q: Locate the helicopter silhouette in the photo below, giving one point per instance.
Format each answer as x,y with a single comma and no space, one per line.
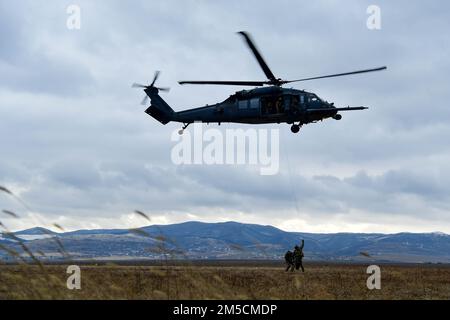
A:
271,103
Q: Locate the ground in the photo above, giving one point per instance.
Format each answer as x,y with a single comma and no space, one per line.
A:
224,281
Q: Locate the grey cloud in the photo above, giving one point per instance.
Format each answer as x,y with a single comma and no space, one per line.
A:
28,62
76,140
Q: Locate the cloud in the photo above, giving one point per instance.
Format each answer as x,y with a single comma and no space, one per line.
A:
78,147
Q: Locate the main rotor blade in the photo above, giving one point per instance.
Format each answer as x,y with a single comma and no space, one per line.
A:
258,56
231,83
337,75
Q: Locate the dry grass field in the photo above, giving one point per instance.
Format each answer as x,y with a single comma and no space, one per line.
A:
320,281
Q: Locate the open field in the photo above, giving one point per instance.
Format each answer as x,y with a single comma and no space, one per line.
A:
226,281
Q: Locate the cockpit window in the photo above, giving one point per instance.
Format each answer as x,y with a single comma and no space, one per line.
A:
313,98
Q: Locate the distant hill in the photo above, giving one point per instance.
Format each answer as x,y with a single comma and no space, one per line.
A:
230,240
35,231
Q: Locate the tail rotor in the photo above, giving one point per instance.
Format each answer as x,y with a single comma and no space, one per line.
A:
149,87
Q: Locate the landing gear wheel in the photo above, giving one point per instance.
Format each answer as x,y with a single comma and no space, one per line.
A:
181,131
295,128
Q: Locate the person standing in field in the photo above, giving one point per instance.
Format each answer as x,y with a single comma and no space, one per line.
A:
298,256
294,259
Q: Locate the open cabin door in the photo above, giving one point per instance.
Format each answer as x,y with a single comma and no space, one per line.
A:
272,106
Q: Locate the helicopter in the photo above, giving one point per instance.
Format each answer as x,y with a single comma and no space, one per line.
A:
269,102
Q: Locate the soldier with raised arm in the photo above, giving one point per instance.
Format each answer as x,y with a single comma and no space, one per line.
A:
298,256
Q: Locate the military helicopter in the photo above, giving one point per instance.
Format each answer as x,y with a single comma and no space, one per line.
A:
269,104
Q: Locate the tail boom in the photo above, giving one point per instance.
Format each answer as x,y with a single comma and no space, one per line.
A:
159,109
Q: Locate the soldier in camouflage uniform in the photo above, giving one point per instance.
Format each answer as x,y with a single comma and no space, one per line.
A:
289,258
298,256
294,259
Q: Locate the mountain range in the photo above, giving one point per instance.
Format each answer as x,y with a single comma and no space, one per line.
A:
227,240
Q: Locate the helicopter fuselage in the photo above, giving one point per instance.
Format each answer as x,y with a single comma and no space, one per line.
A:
262,105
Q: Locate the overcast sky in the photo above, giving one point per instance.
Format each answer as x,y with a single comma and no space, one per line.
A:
77,147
